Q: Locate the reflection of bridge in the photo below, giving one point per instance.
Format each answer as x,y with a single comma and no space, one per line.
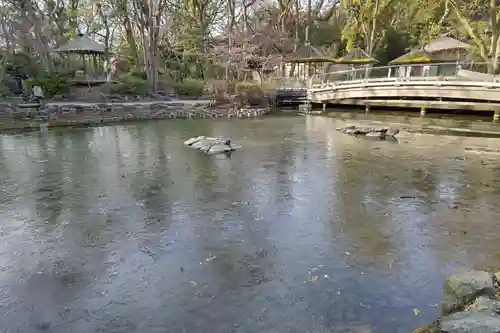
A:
435,86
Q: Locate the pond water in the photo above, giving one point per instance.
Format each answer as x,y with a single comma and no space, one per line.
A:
122,229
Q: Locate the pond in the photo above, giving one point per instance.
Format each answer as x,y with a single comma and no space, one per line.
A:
122,229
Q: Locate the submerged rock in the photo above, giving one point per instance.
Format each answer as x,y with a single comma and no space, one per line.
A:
432,328
381,132
211,146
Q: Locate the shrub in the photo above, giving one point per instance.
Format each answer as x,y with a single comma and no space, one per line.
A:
250,93
189,88
51,84
129,84
10,86
138,73
22,64
219,91
5,91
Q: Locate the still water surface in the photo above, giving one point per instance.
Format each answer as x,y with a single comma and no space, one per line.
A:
122,229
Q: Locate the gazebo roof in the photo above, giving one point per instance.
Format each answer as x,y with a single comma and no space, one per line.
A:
82,44
356,56
415,56
307,53
445,43
424,54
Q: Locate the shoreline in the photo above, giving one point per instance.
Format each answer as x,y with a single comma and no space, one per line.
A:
32,117
80,114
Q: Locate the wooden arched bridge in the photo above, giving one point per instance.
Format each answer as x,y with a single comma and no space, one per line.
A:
435,86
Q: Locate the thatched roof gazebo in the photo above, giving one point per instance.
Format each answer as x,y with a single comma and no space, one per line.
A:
356,56
309,54
82,45
359,63
445,51
307,59
441,50
91,53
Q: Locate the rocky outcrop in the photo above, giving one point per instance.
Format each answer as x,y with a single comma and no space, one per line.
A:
211,146
376,132
470,305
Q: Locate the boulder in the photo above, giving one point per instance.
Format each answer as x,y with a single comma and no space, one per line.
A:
193,140
463,288
211,146
485,304
470,322
217,149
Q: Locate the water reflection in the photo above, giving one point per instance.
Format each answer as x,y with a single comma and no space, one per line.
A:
306,230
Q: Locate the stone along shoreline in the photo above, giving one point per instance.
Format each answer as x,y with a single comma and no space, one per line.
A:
70,114
471,304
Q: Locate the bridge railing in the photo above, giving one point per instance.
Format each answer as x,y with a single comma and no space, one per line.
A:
394,73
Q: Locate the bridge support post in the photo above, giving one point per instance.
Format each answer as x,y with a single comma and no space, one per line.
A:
423,112
496,116
367,108
324,107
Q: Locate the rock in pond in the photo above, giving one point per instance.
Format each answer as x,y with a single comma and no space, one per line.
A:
471,322
463,288
211,146
377,132
484,304
471,305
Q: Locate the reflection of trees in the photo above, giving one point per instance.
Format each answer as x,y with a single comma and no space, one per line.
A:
465,223
395,199
284,170
363,194
237,236
119,157
49,184
225,220
65,175
5,175
152,181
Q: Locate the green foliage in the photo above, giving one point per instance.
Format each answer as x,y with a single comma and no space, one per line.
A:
138,73
250,93
129,84
21,64
189,88
4,90
51,84
398,42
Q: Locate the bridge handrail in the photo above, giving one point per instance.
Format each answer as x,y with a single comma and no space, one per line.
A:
385,74
392,79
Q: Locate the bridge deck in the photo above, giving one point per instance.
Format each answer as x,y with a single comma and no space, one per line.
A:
422,104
